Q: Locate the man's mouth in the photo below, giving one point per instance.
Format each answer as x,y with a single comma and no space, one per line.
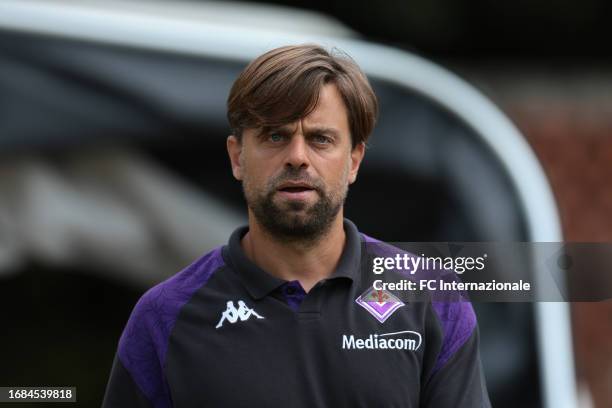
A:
296,191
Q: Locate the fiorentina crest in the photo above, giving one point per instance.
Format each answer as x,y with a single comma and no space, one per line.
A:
380,303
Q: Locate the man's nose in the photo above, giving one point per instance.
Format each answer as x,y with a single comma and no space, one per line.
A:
297,153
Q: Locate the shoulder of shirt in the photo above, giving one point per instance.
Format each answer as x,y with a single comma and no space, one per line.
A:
157,309
182,285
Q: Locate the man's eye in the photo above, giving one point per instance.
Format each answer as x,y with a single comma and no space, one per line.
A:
275,137
322,139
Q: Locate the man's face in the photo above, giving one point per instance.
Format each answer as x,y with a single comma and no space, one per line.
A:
295,178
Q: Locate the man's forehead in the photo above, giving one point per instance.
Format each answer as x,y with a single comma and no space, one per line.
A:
329,116
330,108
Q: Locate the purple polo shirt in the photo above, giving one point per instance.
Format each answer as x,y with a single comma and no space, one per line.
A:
225,333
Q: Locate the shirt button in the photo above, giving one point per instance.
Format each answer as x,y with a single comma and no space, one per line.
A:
290,290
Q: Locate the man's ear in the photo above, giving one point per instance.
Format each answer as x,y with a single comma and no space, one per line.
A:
234,149
356,157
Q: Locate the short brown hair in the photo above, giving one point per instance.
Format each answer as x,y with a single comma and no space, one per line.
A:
283,85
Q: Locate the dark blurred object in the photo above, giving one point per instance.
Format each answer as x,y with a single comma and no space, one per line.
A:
540,30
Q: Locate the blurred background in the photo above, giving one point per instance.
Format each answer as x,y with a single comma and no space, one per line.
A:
113,170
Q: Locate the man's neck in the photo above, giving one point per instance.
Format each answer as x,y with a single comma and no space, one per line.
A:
294,261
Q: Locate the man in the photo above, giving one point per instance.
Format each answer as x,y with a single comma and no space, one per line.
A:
279,315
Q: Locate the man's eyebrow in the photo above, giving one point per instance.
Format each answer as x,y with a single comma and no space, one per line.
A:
280,129
322,129
268,130
288,130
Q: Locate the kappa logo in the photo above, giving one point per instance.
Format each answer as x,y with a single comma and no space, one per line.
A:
232,315
379,303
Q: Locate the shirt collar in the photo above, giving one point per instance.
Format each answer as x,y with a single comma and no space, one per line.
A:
260,283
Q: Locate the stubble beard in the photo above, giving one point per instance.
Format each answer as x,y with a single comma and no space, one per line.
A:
295,221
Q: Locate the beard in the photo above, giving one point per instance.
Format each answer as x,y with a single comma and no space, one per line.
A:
295,220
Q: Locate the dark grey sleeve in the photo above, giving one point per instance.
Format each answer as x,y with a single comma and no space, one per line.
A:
122,391
460,382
